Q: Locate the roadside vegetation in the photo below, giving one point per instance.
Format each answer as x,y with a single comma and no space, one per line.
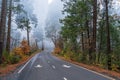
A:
17,57
90,33
17,54
15,48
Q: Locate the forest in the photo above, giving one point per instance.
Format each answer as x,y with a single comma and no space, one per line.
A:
90,33
15,18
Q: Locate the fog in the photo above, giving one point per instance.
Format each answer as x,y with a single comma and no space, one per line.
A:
48,13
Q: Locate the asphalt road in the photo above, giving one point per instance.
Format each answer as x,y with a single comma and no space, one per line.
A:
45,66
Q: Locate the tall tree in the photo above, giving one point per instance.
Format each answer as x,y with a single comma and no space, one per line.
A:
9,27
94,23
2,26
24,21
108,36
28,32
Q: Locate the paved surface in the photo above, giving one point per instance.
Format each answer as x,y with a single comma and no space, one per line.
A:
45,66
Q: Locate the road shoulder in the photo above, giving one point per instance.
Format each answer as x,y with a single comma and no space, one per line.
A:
113,74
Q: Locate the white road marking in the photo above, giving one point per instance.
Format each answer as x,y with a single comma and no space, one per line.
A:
65,78
23,67
66,66
53,66
38,66
105,76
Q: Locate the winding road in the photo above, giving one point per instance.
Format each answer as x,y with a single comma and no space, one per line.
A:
45,66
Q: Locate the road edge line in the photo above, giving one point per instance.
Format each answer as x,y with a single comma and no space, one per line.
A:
94,72
23,67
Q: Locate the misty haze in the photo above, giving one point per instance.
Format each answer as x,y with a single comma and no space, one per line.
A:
59,39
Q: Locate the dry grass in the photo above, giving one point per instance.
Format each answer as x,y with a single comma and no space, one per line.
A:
10,68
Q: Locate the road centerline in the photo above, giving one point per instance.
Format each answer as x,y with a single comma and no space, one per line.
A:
66,66
38,66
65,78
53,67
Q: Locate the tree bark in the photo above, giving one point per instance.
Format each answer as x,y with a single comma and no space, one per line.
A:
108,37
36,42
82,36
9,28
101,37
88,37
28,37
94,24
2,26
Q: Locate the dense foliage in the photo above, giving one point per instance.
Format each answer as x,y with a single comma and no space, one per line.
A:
15,13
90,33
17,54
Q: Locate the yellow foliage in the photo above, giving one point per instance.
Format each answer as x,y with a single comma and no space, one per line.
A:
23,49
18,51
115,67
57,50
24,58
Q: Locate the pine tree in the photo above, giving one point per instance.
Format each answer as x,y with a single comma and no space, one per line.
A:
9,27
108,36
2,26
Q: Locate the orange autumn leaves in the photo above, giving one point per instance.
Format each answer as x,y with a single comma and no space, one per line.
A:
24,49
57,50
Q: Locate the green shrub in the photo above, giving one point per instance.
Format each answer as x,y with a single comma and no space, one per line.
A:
81,57
9,58
5,57
115,57
14,59
103,60
3,64
62,53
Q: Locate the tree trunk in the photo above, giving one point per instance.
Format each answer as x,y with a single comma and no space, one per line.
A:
101,37
28,37
9,28
94,24
2,26
82,36
88,37
27,29
1,50
36,42
42,44
108,37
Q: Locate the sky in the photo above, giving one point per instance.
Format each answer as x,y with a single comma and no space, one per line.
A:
117,6
47,12
44,9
